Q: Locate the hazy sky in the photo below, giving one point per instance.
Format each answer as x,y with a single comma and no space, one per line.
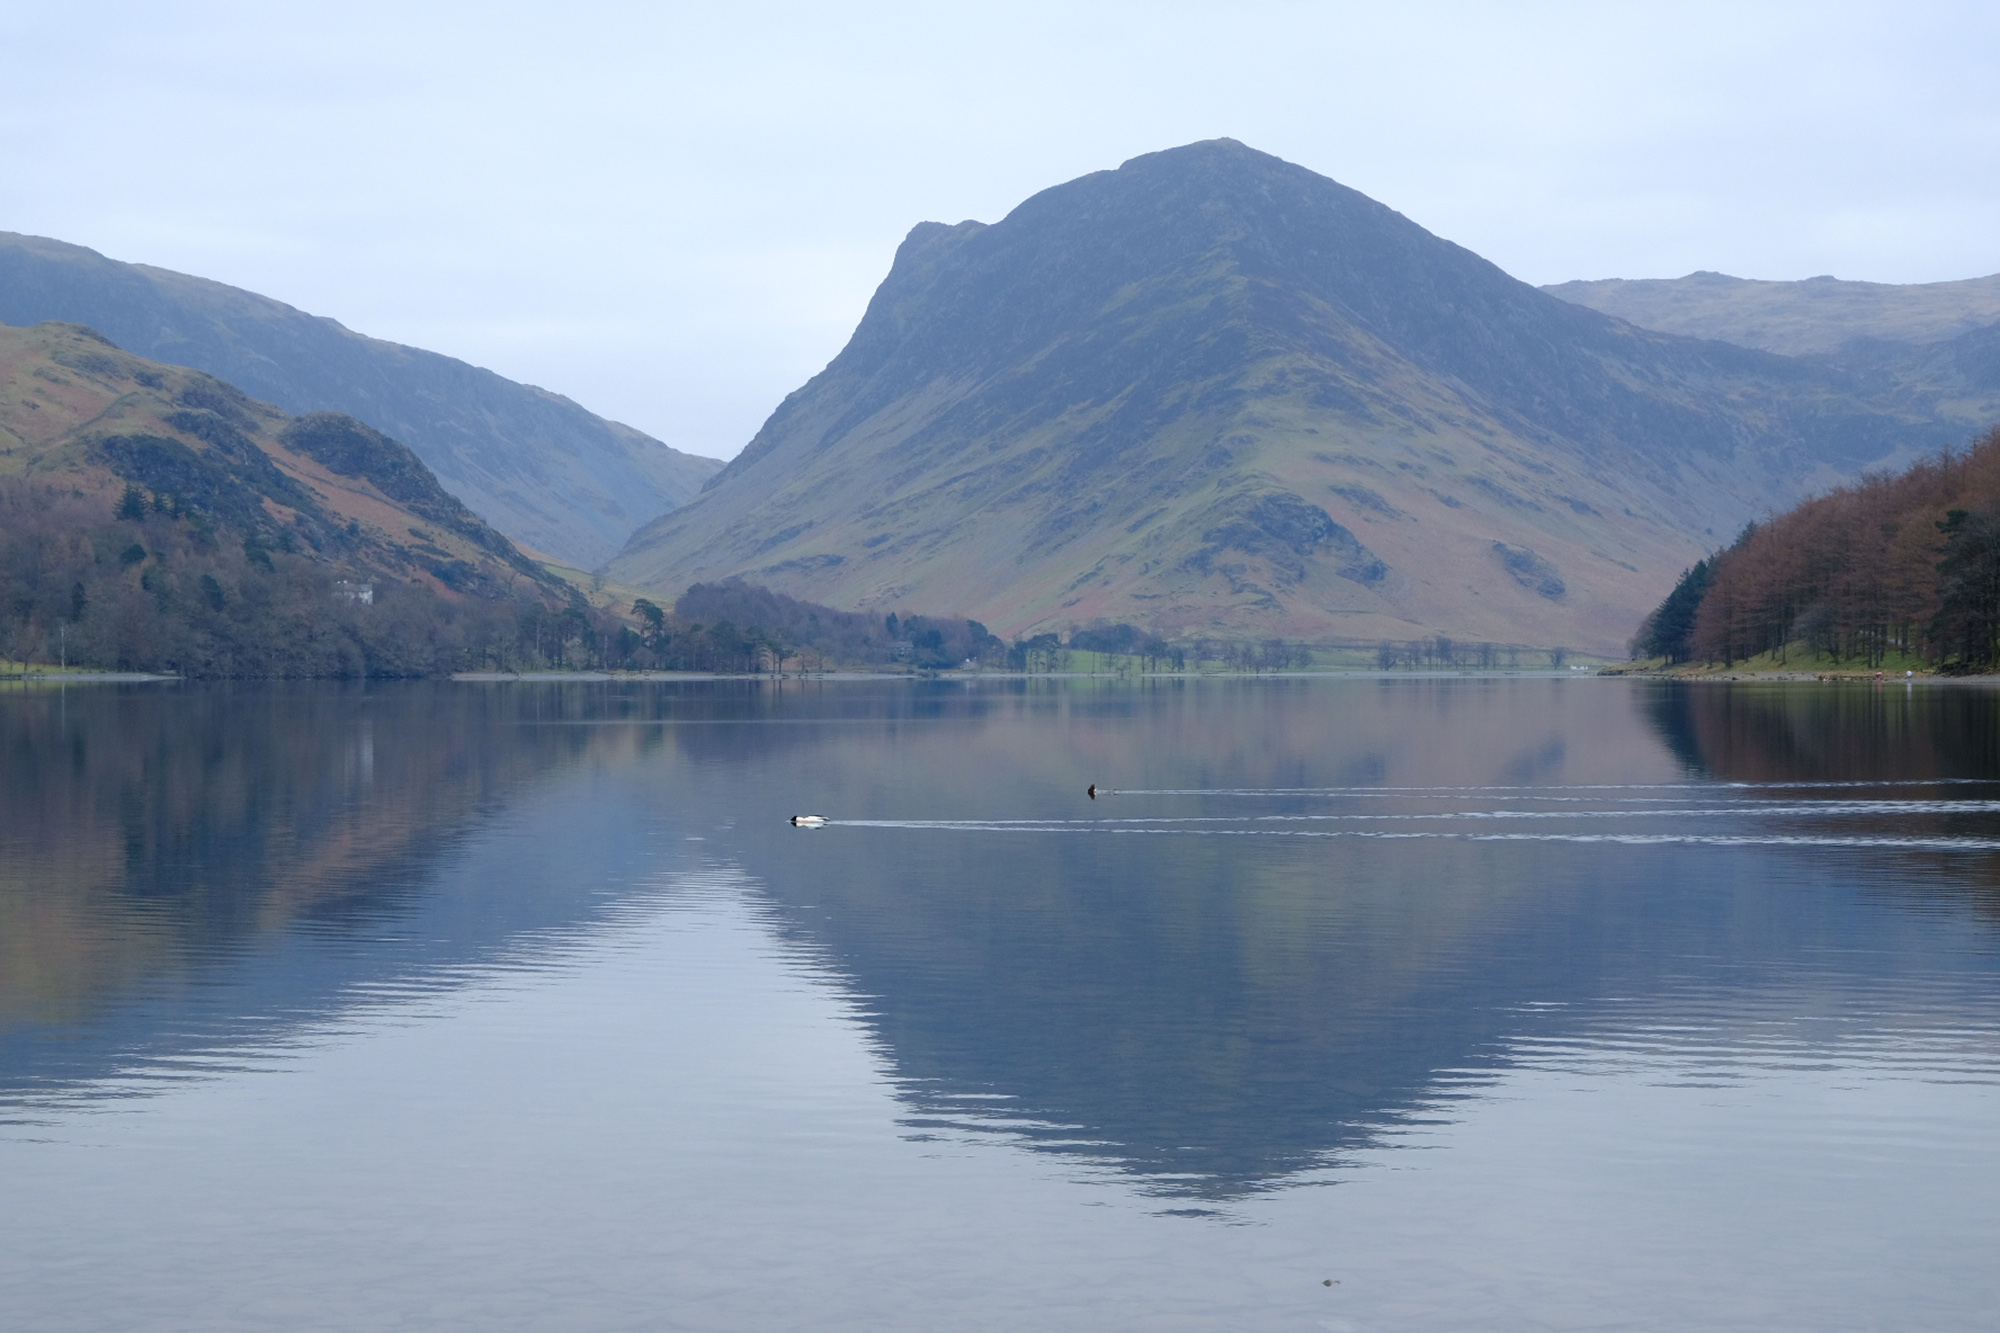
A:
675,213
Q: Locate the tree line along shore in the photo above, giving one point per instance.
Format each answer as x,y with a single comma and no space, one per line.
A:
150,585
1893,572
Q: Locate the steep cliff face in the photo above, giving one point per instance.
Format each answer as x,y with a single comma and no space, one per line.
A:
540,468
1214,393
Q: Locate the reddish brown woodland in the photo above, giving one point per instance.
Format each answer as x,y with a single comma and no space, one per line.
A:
1856,573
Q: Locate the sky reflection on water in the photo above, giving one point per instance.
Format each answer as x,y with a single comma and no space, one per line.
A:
525,1007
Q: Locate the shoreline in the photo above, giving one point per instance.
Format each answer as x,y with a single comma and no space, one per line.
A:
1362,673
60,677
1724,676
1779,677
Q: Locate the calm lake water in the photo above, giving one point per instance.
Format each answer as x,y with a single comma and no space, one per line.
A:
1350,1004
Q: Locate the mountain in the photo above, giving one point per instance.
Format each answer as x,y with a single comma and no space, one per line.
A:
1957,379
1930,349
1818,315
542,469
154,517
1214,393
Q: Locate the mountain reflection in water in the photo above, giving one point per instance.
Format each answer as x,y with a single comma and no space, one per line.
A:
188,868
1332,909
1302,917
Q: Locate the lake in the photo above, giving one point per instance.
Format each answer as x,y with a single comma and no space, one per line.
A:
1347,1004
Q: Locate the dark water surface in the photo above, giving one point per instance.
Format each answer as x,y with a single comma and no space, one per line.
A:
1494,1003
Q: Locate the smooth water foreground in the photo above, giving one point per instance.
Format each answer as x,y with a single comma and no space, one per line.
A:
1349,1004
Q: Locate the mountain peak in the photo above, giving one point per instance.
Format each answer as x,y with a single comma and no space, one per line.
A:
1219,150
1213,392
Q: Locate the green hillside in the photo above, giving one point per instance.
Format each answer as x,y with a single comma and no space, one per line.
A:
1213,394
154,518
542,469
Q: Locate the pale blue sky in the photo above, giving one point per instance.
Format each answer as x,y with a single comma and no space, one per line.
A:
675,213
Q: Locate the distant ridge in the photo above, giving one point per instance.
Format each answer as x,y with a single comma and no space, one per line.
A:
540,468
1214,393
1816,315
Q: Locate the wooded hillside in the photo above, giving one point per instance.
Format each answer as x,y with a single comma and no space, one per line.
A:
1904,565
153,518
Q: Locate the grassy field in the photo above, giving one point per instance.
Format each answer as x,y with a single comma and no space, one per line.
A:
1793,660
